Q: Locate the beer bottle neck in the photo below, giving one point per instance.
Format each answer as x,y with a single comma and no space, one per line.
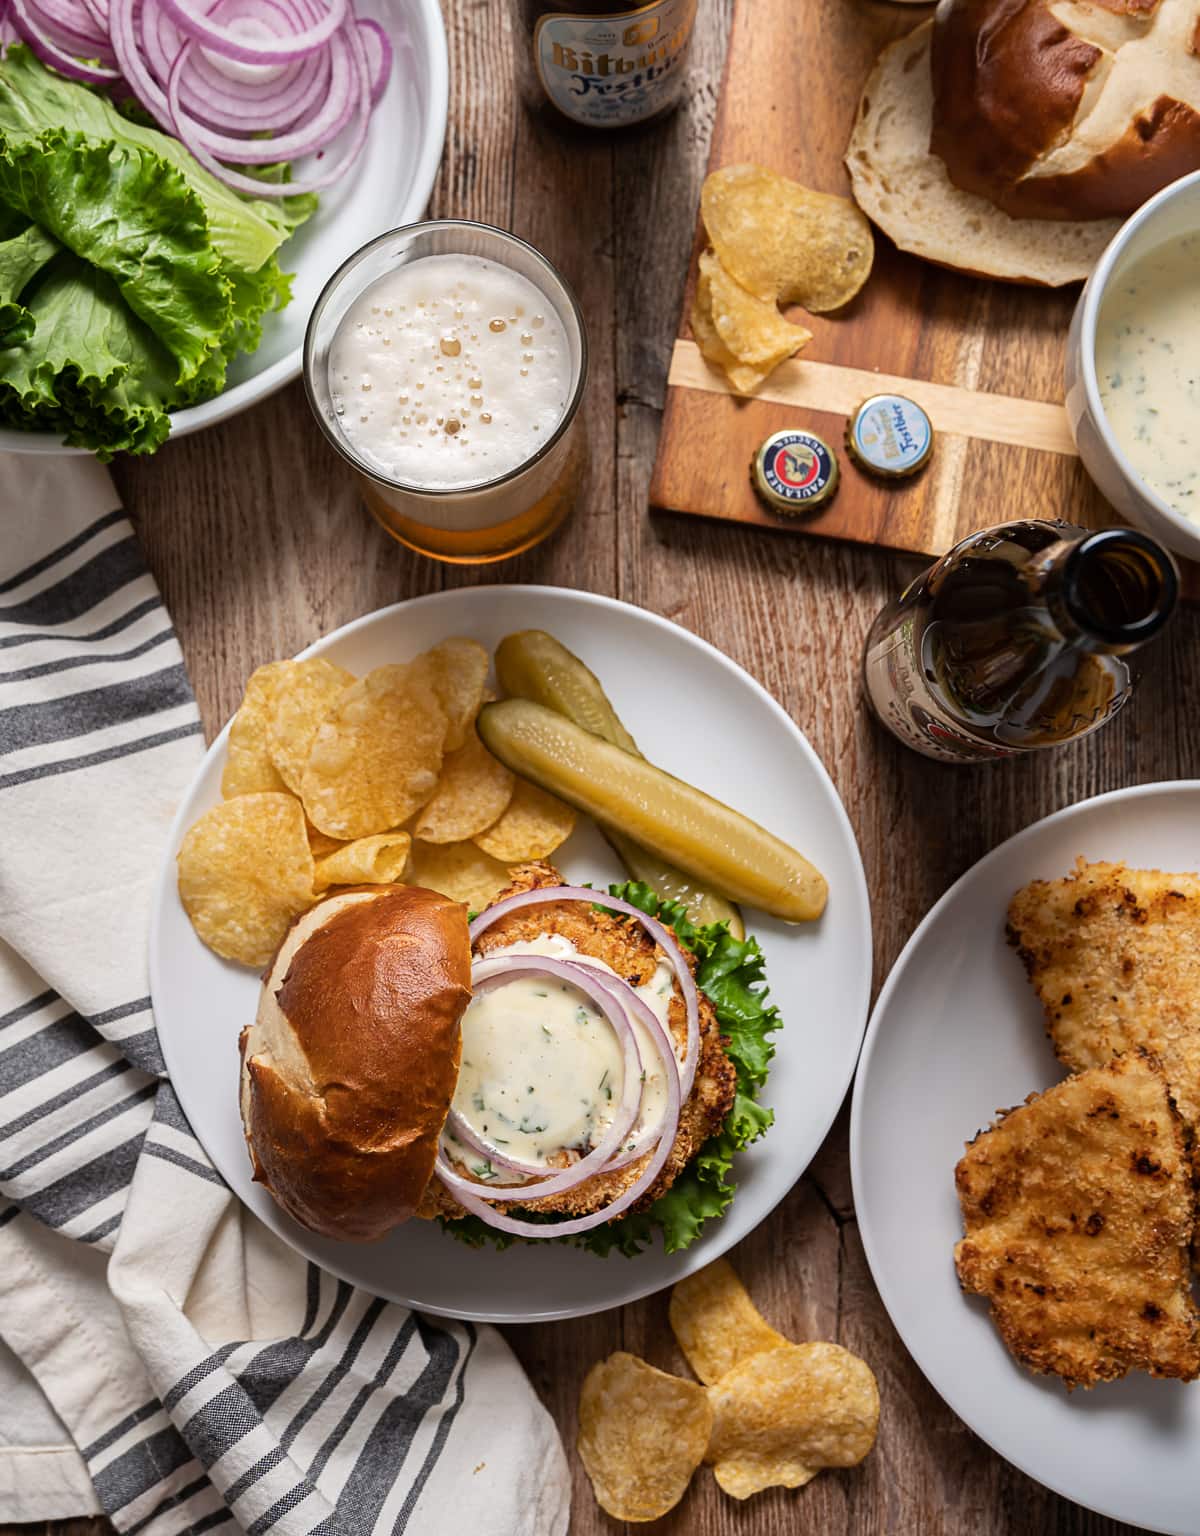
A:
1108,591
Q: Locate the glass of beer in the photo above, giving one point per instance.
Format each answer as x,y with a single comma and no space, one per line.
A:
446,363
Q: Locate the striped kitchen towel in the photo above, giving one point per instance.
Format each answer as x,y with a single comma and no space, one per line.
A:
166,1359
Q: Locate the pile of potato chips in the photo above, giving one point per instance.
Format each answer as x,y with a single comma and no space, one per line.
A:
335,780
770,1414
773,242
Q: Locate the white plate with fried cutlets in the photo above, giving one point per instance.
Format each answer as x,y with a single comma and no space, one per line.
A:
698,715
1080,1203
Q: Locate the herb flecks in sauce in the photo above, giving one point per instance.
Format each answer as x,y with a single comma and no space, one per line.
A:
1148,368
545,1073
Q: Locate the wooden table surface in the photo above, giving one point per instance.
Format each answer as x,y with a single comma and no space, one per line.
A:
256,536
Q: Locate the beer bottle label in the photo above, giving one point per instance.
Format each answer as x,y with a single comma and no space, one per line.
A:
610,71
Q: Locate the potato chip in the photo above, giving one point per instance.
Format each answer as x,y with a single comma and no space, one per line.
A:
753,329
782,1414
716,1323
457,671
783,241
248,767
319,843
472,793
532,827
642,1434
304,694
376,756
374,860
245,871
458,870
743,378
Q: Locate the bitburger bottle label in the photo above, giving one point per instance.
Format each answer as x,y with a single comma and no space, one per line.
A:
615,70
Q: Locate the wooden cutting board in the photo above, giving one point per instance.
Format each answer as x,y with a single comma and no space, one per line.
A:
985,359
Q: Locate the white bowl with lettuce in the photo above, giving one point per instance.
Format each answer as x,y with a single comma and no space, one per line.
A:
127,224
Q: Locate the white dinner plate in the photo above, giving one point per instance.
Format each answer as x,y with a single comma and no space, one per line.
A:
958,1033
700,716
388,185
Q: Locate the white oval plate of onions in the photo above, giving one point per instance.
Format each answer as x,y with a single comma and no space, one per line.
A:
698,715
387,185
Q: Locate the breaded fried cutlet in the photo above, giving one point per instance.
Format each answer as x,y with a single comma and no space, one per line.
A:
623,944
1114,955
1078,1210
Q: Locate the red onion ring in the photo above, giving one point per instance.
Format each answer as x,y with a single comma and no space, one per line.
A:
660,934
479,1207
662,1039
279,50
664,1044
71,27
497,973
49,51
271,149
318,75
379,56
208,95
464,1132
328,123
623,999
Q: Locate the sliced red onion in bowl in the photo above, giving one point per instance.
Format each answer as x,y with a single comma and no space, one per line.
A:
34,31
661,935
379,56
275,48
345,85
239,82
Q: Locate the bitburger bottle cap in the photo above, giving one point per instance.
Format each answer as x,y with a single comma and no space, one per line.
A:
795,472
890,436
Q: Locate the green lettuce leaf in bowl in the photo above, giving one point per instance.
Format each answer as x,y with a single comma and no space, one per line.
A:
129,276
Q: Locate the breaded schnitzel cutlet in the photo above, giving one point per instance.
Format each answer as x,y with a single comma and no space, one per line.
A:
1114,955
1078,1207
625,946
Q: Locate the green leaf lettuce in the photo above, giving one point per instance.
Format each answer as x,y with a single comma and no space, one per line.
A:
164,273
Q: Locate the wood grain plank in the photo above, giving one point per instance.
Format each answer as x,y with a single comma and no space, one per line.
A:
834,387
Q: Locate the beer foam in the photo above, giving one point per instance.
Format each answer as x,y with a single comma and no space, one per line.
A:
449,372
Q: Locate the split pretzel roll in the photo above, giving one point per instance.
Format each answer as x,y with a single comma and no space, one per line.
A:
1066,109
350,1065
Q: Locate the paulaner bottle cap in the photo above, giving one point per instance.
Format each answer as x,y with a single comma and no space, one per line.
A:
795,472
890,435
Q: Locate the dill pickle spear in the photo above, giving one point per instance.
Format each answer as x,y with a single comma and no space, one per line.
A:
679,823
532,664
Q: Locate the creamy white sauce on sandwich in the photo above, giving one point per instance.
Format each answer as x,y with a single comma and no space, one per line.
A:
1148,368
542,1070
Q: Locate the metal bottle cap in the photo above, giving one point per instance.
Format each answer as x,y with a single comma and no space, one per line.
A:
795,472
890,435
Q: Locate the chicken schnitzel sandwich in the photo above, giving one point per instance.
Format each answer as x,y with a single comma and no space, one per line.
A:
541,1072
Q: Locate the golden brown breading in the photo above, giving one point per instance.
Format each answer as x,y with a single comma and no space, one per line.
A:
624,945
1114,955
1078,1209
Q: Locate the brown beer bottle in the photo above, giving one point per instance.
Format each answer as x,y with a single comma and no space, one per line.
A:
601,63
1017,639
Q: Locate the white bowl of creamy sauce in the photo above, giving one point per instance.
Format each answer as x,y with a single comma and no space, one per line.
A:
1133,369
